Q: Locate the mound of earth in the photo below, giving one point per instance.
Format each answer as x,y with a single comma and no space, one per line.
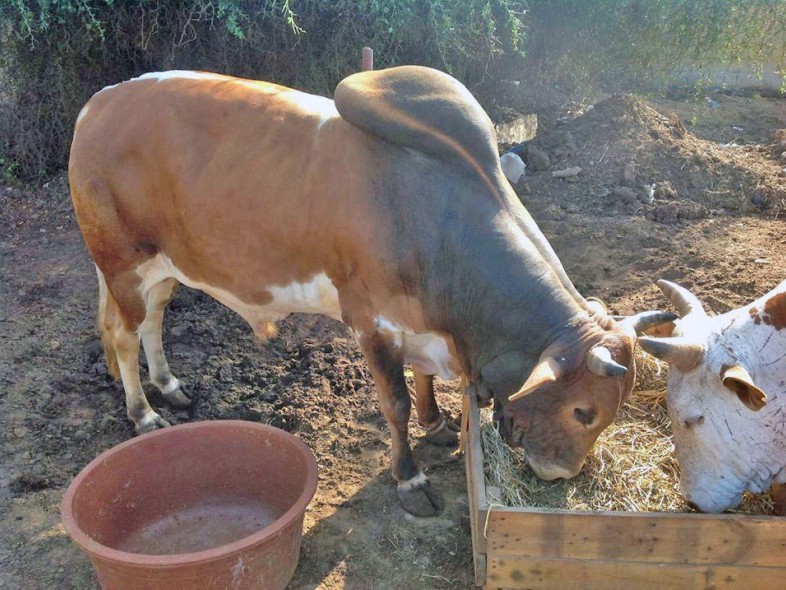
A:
634,159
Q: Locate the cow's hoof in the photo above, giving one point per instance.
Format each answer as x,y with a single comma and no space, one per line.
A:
151,422
177,398
418,497
444,435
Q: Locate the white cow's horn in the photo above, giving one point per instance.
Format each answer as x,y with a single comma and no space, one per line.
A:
681,352
683,300
600,363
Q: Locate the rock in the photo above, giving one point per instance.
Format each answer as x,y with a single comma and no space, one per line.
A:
648,194
537,159
518,130
629,174
664,191
665,213
626,194
713,104
566,173
512,166
107,421
177,331
28,482
81,435
760,201
672,212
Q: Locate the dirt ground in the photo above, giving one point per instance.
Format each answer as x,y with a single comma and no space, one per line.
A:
715,224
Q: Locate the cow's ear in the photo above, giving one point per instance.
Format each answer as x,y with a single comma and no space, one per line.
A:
738,380
547,370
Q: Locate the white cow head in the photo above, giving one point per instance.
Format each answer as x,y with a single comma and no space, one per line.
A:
726,396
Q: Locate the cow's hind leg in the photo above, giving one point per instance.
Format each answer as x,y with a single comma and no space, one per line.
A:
387,367
150,331
121,311
439,430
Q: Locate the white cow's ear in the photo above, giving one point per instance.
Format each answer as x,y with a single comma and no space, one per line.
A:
738,380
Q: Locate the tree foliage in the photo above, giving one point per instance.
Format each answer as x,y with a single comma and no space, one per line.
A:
635,43
56,53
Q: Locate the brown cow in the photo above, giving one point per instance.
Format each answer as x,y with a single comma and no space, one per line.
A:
387,210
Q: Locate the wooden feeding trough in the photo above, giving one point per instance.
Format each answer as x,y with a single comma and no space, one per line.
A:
536,548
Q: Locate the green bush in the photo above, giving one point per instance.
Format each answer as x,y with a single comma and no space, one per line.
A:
56,53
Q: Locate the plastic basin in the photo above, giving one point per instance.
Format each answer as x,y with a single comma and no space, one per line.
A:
204,505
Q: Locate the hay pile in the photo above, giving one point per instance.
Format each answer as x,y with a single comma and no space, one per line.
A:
632,466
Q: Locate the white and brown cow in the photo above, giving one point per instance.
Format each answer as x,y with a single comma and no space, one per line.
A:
386,209
726,396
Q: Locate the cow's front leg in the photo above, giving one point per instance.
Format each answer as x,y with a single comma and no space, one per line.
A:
386,362
439,430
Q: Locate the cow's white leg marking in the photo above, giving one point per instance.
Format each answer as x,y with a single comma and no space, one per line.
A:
139,411
434,430
150,331
413,483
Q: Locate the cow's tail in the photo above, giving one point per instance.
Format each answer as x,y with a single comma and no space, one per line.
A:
107,315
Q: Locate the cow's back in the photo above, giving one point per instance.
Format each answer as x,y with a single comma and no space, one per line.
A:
239,183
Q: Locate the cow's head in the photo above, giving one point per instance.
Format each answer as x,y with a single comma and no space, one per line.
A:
724,431
573,393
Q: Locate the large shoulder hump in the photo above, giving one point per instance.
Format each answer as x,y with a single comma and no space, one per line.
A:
419,108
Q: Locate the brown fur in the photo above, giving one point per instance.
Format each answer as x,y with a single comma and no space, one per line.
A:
775,311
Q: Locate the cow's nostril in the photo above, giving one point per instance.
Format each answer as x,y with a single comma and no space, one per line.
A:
584,415
694,421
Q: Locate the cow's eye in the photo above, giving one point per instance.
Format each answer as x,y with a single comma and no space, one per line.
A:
584,415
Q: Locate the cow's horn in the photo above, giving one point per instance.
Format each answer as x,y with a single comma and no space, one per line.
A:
596,305
547,370
683,300
739,381
647,319
681,352
600,363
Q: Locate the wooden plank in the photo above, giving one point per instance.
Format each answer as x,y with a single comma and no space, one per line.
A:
478,557
545,574
466,408
651,537
475,451
476,491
